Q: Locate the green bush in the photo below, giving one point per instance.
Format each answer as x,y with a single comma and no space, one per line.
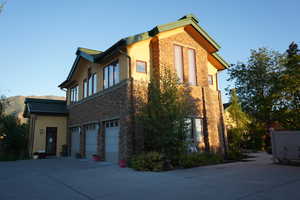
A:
199,159
151,161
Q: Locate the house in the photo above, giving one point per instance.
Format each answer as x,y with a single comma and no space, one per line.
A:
47,125
100,89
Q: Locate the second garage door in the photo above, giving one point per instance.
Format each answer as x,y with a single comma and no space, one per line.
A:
112,130
91,136
75,145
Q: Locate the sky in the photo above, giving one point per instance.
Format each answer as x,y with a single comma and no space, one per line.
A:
38,39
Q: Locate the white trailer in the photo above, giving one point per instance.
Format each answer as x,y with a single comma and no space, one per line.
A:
285,146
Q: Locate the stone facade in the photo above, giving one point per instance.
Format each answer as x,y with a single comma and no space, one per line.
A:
209,103
110,104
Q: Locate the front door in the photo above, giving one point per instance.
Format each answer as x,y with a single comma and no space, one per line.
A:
51,136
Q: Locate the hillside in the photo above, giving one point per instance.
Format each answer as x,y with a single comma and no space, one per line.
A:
16,104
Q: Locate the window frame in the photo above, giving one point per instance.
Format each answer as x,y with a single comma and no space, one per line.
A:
195,65
182,62
136,64
84,90
94,83
112,66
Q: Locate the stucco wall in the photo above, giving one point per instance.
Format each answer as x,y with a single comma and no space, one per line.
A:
41,123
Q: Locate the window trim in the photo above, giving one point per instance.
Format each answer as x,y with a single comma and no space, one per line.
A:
182,61
195,61
108,66
84,89
141,61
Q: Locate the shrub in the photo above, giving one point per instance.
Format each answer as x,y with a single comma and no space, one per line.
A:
151,161
199,159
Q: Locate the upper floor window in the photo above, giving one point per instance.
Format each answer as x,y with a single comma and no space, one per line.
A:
94,81
192,67
141,66
90,86
210,79
85,88
111,75
178,60
74,94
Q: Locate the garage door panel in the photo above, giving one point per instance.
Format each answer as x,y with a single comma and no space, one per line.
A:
91,137
75,141
112,141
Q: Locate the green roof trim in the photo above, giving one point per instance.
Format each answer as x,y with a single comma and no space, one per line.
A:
221,60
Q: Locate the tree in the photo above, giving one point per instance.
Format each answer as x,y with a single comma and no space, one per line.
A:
288,87
163,116
1,6
254,83
239,117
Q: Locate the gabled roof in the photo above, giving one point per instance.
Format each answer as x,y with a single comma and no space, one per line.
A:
44,107
190,19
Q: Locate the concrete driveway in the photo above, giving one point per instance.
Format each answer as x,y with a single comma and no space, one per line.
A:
81,180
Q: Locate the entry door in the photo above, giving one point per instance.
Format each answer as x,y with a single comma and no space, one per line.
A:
51,138
112,130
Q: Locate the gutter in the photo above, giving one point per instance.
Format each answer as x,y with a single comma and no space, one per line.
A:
131,100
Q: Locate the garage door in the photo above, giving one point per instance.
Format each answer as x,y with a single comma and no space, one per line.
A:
75,145
112,141
91,136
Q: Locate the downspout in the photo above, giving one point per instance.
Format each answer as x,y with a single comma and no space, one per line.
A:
131,100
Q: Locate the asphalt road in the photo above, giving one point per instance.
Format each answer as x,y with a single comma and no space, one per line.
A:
87,180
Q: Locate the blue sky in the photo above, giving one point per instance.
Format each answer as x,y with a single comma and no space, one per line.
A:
38,39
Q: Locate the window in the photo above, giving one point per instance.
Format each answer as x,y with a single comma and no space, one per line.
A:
105,77
85,88
74,94
210,79
111,75
94,77
90,86
194,130
116,73
141,66
192,67
178,62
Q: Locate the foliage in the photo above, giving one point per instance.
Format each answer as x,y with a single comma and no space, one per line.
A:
268,86
150,161
154,161
163,117
199,159
288,88
236,143
254,80
239,117
13,136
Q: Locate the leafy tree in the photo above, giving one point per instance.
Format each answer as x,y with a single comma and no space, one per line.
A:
163,116
254,83
288,87
239,117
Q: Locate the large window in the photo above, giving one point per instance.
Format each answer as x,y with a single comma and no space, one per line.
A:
85,88
195,130
74,94
90,86
111,75
192,67
141,66
94,78
178,57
